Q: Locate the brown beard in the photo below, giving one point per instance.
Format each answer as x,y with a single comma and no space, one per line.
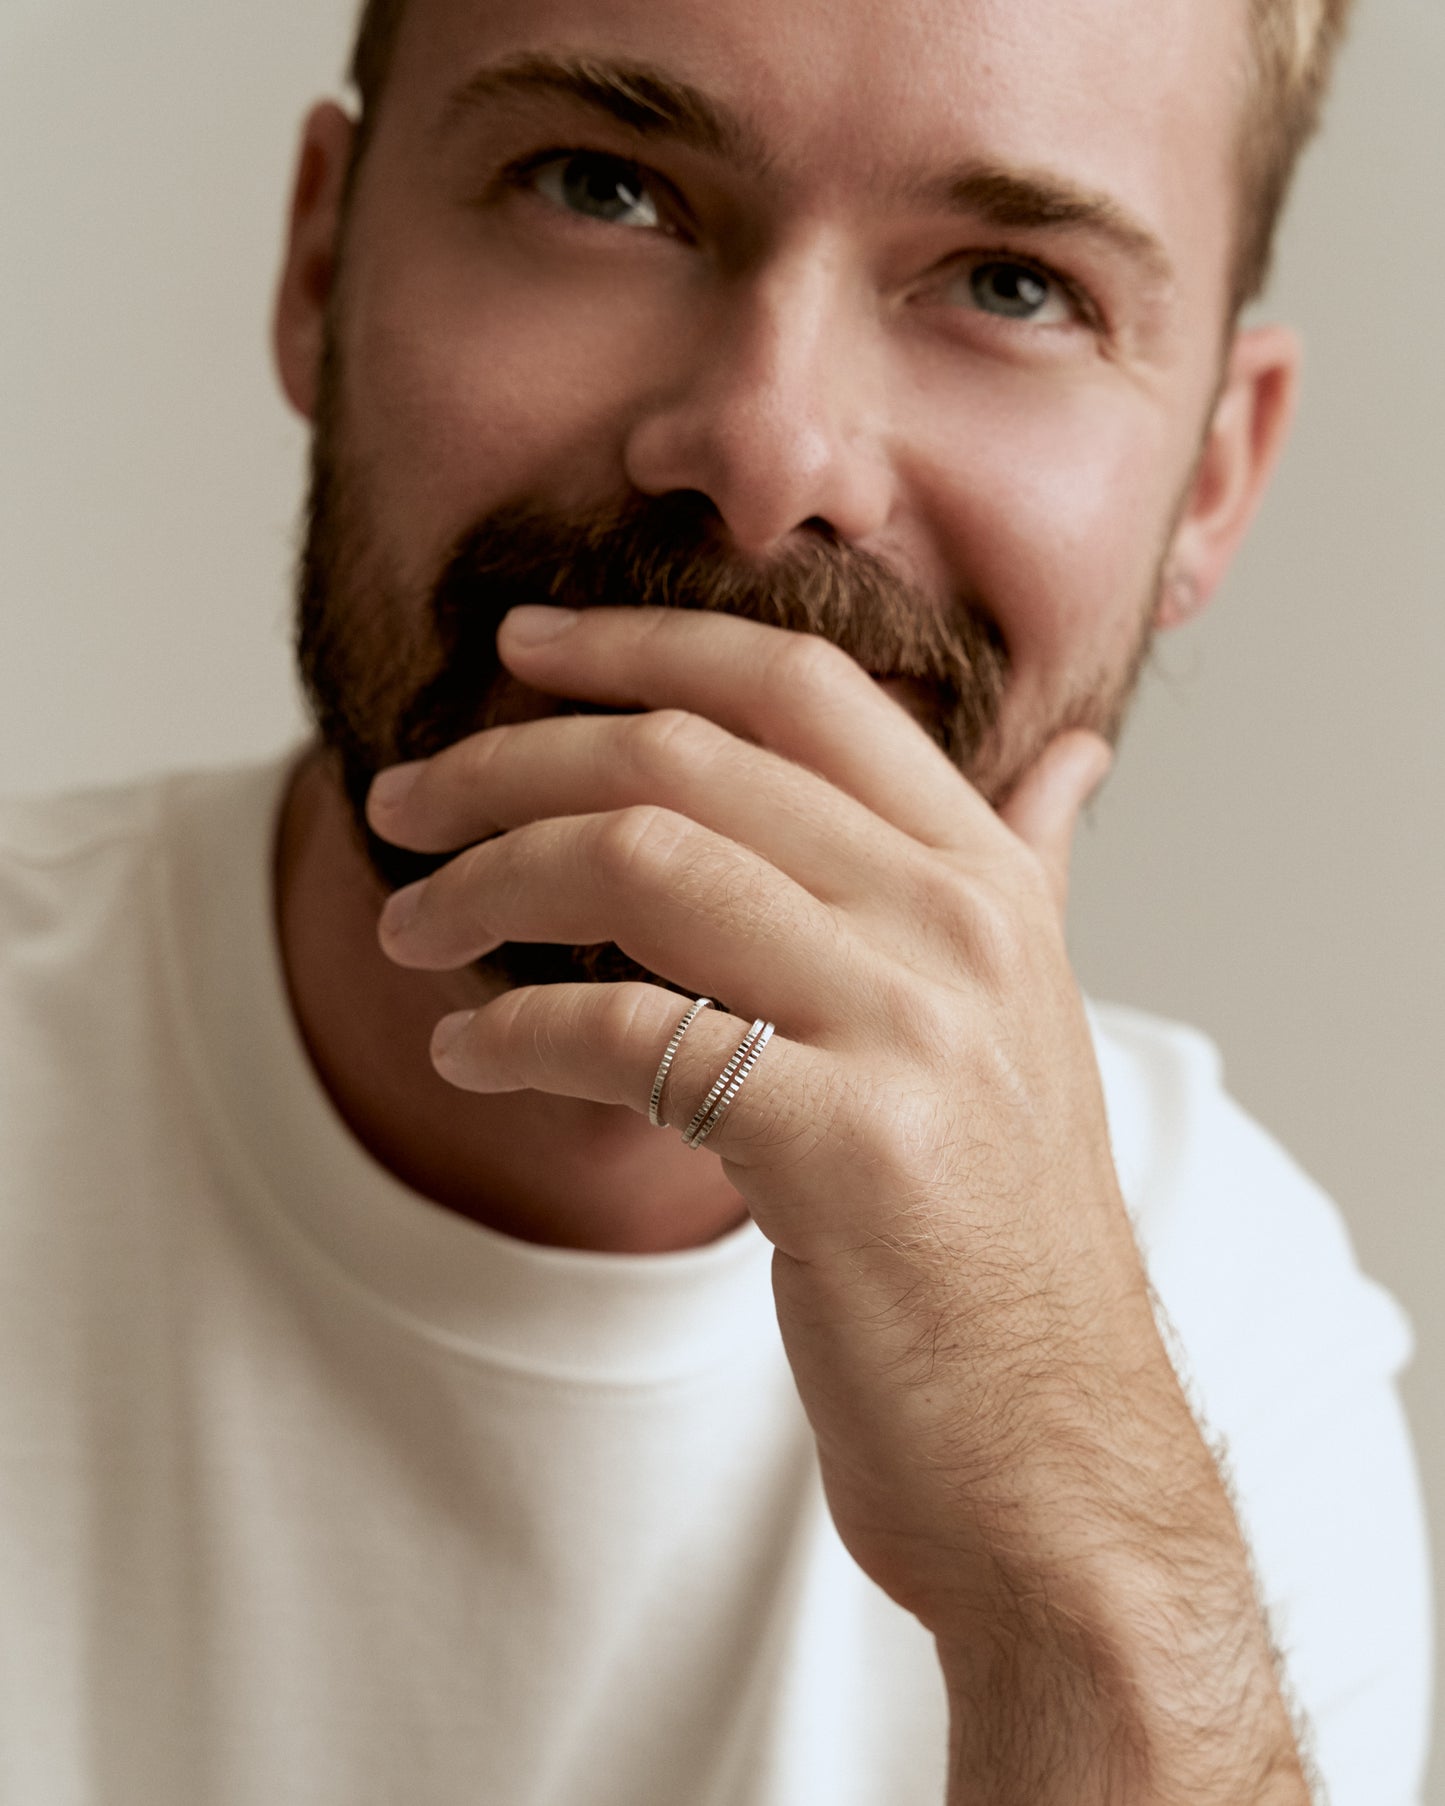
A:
392,677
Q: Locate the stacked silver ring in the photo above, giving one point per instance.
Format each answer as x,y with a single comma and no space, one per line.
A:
731,1080
692,1015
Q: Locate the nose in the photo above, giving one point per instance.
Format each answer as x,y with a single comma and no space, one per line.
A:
769,412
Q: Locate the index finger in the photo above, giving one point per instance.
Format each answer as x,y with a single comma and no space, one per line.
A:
795,693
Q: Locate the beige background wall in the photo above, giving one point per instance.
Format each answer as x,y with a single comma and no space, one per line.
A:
1270,860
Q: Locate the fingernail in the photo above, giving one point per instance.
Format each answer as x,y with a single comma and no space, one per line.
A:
532,624
392,788
402,908
449,1031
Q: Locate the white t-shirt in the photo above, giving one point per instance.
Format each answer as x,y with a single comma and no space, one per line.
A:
314,1493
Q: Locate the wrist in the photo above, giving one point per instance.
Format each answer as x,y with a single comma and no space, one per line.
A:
1124,1681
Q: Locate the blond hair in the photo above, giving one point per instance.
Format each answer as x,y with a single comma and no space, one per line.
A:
1289,58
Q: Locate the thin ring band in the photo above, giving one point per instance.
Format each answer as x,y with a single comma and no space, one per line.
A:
735,1084
735,1075
666,1067
724,1079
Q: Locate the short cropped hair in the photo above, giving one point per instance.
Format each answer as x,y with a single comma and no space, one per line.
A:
1289,59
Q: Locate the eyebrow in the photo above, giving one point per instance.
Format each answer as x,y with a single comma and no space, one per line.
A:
644,99
1026,200
653,103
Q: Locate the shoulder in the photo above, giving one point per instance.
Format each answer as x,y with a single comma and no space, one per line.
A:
42,832
71,860
96,882
57,843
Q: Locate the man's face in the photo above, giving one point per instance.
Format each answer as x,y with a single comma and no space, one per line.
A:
919,305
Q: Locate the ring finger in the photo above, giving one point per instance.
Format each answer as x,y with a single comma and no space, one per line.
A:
604,1043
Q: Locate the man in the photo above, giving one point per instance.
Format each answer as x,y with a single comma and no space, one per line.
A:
399,1413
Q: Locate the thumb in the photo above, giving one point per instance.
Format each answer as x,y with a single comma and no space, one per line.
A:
1043,808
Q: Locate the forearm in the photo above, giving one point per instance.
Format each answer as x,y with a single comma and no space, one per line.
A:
1039,1718
1124,1658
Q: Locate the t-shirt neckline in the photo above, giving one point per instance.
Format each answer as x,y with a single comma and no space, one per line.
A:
596,1318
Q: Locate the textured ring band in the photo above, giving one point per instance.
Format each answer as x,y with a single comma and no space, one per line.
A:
724,1079
734,1076
666,1067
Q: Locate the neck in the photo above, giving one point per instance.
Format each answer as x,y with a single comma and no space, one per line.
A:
558,1171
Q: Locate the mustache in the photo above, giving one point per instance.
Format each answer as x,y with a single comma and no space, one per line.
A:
670,552
395,671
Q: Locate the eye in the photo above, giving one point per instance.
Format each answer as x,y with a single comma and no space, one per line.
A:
599,186
1015,291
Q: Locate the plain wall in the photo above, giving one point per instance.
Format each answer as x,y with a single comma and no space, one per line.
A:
1269,861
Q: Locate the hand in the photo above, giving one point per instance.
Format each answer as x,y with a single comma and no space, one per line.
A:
1003,1443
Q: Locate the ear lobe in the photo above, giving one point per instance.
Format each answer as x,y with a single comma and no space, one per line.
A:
312,240
1247,432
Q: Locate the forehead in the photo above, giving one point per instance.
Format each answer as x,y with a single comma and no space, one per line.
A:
1134,99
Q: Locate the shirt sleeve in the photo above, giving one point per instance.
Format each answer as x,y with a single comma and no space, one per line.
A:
1290,1356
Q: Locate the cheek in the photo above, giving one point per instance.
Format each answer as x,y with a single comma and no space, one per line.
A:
1054,500
476,389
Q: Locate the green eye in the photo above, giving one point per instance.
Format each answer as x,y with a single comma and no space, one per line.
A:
1017,291
601,187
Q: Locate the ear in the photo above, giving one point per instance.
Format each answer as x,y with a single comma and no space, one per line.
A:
1246,434
312,245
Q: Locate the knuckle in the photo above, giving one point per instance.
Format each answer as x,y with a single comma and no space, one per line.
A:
940,896
510,1024
1017,868
470,757
812,670
621,1019
997,942
986,918
471,869
453,779
925,1018
636,841
510,1011
657,742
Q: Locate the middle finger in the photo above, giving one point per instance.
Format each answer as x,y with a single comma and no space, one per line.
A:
581,764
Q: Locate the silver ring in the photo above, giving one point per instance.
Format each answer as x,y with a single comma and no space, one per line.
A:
667,1059
724,1079
730,1082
